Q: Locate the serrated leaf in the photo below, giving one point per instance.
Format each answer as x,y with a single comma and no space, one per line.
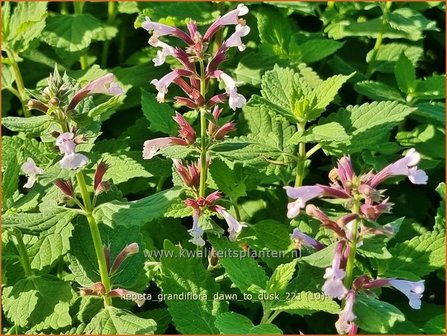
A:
388,54
233,323
253,274
427,251
75,32
52,245
137,213
159,115
123,168
229,181
42,302
10,180
405,74
31,125
378,91
433,111
184,275
280,278
24,25
368,125
315,49
115,321
161,316
83,261
306,302
329,132
34,223
29,147
376,316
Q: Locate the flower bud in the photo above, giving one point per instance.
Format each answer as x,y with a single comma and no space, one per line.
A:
99,174
66,187
125,252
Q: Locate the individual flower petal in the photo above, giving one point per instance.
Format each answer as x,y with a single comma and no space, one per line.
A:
166,50
346,316
236,100
412,290
417,176
235,39
306,240
73,161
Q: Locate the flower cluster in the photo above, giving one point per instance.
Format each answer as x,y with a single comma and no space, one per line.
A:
193,79
360,195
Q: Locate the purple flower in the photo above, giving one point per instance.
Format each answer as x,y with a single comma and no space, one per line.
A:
231,18
302,195
67,145
196,231
412,290
407,166
235,39
374,211
234,227
158,29
333,286
31,171
152,147
163,84
346,316
304,239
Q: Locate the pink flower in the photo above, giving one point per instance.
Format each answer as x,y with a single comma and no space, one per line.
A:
152,147
235,100
196,232
346,316
374,211
333,286
224,130
163,84
186,131
31,171
125,252
302,195
125,294
231,18
67,145
235,39
306,240
412,290
166,50
106,85
403,167
158,29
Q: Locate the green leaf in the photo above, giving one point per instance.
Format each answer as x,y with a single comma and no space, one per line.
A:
233,323
29,147
159,115
368,125
25,24
265,328
10,180
160,315
123,168
378,91
435,326
275,30
374,247
31,125
75,32
229,181
39,301
405,74
280,278
329,132
253,274
35,223
440,213
433,111
51,246
137,213
427,251
388,54
430,88
307,302
83,261
375,316
315,50
322,258
115,321
186,275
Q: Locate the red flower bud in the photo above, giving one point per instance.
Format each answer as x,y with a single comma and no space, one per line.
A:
99,174
65,186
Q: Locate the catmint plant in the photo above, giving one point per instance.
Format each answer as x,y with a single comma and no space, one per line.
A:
199,66
360,194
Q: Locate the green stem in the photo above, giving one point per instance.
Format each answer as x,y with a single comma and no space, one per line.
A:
353,248
78,8
64,9
311,151
236,209
96,236
302,158
111,15
23,253
19,82
273,316
203,142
